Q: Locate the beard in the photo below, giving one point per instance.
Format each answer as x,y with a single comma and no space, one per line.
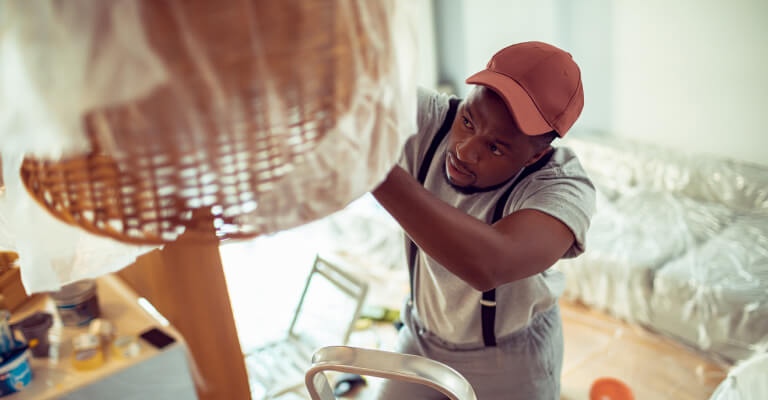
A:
470,189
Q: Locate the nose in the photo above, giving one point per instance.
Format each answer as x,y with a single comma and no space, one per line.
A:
468,150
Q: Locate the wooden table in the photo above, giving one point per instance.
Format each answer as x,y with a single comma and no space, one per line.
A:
153,373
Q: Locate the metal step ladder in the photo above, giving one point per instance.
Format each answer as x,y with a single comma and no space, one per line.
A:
384,364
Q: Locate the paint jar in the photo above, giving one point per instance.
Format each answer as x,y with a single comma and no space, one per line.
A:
87,353
77,303
15,373
126,347
105,331
35,331
102,328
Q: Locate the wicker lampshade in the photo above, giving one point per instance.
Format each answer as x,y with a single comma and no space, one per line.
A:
257,96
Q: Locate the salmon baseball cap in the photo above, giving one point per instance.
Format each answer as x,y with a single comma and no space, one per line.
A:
540,83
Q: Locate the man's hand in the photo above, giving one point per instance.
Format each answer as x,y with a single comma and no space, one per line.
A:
520,245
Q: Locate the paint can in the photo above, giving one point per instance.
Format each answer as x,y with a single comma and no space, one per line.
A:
35,331
77,303
15,373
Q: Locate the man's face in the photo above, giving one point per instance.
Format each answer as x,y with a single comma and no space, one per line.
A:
485,147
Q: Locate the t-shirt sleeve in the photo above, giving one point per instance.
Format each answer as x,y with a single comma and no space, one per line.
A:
571,199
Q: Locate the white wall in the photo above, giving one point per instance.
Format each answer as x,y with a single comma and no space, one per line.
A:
683,74
490,25
495,24
692,74
425,42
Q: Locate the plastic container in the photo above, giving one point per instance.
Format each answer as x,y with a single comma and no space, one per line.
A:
77,303
7,341
126,347
15,373
35,331
102,328
87,354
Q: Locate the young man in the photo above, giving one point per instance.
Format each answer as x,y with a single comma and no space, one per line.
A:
490,206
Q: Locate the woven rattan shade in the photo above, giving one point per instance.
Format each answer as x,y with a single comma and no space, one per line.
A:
254,87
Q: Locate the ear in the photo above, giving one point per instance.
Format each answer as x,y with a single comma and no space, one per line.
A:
538,155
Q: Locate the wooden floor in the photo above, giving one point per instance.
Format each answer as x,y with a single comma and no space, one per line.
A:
654,367
597,345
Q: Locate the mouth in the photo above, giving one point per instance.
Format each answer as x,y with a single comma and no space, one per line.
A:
456,170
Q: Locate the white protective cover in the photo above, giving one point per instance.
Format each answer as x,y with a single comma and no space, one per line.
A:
746,381
629,240
717,295
679,244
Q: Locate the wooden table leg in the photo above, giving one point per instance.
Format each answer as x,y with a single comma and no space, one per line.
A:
185,282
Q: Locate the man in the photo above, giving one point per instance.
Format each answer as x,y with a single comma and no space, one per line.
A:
490,206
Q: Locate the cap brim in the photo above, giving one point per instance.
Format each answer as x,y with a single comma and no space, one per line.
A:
519,104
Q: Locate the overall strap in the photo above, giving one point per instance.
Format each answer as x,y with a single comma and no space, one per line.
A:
488,301
422,177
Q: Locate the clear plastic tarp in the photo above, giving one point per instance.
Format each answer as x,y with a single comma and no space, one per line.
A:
746,381
679,245
133,114
53,253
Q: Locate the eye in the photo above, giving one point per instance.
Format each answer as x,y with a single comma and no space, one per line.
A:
495,149
466,122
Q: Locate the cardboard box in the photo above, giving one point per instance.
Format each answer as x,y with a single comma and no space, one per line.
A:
11,289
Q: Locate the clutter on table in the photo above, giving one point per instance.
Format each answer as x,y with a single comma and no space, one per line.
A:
15,372
77,309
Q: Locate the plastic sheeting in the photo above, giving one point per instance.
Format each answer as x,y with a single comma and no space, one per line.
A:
61,60
53,253
746,381
716,295
632,238
366,236
620,166
679,244
324,88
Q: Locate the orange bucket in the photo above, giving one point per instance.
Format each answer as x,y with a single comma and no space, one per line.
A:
610,389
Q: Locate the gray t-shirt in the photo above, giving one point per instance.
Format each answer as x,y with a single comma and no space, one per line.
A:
446,305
